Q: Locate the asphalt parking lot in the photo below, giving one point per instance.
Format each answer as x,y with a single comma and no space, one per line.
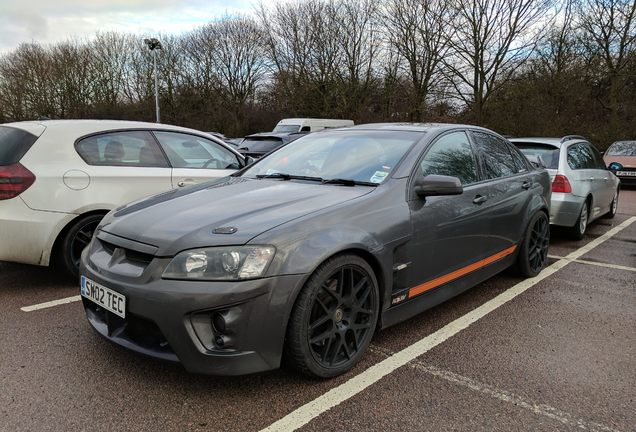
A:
555,353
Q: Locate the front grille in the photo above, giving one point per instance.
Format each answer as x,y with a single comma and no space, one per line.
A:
131,255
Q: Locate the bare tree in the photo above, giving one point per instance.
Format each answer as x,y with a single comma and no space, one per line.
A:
359,41
492,38
609,28
239,60
419,31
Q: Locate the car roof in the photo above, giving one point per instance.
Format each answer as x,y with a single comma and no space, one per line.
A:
413,127
82,127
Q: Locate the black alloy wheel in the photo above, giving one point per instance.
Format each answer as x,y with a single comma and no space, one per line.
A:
533,254
334,317
75,240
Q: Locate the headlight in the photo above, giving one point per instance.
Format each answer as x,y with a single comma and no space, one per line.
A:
220,263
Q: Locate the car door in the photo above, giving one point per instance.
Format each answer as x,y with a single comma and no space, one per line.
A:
122,166
603,179
583,177
449,232
509,184
196,159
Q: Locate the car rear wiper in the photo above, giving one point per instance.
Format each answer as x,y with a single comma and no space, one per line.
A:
347,182
285,176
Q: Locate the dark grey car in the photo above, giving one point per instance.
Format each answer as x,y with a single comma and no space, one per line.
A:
311,249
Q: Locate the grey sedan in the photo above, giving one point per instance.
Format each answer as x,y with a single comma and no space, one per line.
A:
310,250
583,189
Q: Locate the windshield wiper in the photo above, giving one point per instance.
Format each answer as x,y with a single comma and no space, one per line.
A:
285,176
347,182
338,181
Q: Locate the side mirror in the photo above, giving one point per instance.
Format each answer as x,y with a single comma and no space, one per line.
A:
249,160
435,185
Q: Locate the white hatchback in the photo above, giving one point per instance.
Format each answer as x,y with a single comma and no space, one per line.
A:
58,178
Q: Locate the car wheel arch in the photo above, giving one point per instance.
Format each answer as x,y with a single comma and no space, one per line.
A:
367,256
60,235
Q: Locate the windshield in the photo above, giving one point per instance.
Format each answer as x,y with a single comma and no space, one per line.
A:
548,154
286,128
622,148
360,156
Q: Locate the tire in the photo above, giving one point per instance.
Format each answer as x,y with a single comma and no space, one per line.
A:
533,253
578,230
74,240
334,318
613,207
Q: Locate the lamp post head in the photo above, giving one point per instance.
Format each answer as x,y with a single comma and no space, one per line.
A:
153,43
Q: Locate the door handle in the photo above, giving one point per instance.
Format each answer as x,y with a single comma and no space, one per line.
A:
184,183
526,184
480,199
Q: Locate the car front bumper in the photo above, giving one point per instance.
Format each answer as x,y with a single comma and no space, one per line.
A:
565,208
627,180
173,320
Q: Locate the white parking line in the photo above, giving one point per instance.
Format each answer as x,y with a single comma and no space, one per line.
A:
600,264
50,304
304,414
505,396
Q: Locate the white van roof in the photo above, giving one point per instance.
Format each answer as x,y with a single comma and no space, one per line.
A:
299,120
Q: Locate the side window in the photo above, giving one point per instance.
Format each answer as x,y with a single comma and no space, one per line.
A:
519,159
125,148
451,155
191,151
496,156
580,156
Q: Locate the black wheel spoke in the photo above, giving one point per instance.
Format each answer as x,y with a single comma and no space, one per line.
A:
334,294
325,353
321,337
320,321
335,352
346,349
322,305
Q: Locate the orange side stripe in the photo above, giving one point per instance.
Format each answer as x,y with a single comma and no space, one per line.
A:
460,272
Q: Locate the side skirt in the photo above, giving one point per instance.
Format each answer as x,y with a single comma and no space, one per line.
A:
432,298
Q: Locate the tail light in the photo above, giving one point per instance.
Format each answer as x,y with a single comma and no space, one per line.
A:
14,179
561,184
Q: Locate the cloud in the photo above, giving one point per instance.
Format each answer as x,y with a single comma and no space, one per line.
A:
49,21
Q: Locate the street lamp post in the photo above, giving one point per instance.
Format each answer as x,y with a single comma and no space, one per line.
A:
154,44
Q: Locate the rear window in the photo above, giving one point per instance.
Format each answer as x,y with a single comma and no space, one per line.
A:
261,144
14,143
548,154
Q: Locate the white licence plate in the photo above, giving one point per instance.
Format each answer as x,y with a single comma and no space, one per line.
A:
105,297
626,173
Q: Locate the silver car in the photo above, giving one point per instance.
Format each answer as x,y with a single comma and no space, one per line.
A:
583,189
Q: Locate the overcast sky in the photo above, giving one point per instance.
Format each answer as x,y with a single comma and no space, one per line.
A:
55,20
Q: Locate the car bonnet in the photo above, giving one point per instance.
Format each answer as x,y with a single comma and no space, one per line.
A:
230,211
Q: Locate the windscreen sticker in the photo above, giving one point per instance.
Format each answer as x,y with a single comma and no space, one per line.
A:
378,177
271,171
